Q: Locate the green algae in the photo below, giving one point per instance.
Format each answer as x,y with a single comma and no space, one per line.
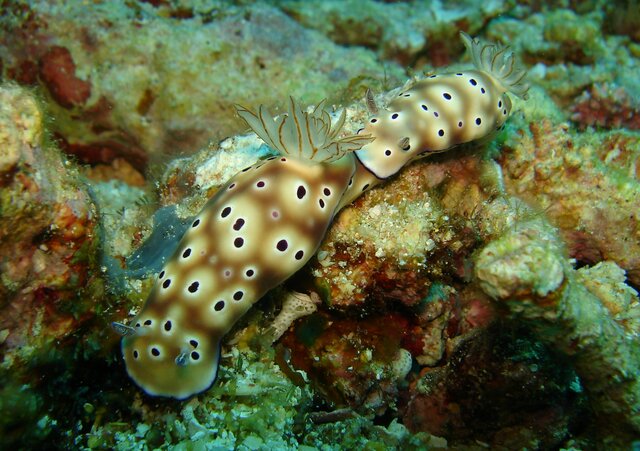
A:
252,409
438,292
310,329
22,408
359,433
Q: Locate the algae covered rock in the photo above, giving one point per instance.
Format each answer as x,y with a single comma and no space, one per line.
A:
584,314
47,230
586,184
48,264
400,31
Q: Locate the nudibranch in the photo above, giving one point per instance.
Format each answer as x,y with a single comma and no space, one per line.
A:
266,222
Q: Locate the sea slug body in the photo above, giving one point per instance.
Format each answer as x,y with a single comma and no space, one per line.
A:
266,222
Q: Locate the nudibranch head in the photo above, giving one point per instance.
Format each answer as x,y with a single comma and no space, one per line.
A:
167,358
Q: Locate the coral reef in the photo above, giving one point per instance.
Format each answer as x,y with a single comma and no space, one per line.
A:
523,396
47,231
392,233
58,73
589,314
359,364
401,31
249,386
605,107
482,298
572,178
580,68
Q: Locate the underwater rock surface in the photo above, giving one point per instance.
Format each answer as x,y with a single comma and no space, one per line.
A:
397,31
483,297
51,293
47,231
593,201
157,78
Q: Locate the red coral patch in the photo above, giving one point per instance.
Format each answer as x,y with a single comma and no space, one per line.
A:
58,73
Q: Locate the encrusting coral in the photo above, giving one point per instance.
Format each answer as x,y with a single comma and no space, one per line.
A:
593,202
47,229
172,88
588,314
396,30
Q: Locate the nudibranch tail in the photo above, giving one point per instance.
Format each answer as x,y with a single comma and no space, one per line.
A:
168,360
309,136
499,62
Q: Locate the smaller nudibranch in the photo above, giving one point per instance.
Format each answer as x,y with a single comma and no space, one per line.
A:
266,222
442,111
437,113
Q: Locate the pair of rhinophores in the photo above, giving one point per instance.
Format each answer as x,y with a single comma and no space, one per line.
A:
266,222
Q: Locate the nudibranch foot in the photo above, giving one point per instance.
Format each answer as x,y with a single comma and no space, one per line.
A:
122,329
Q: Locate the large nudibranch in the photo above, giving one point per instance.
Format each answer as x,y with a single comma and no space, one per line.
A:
266,222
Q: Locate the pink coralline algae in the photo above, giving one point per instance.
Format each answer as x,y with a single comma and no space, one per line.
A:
57,71
353,363
608,107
